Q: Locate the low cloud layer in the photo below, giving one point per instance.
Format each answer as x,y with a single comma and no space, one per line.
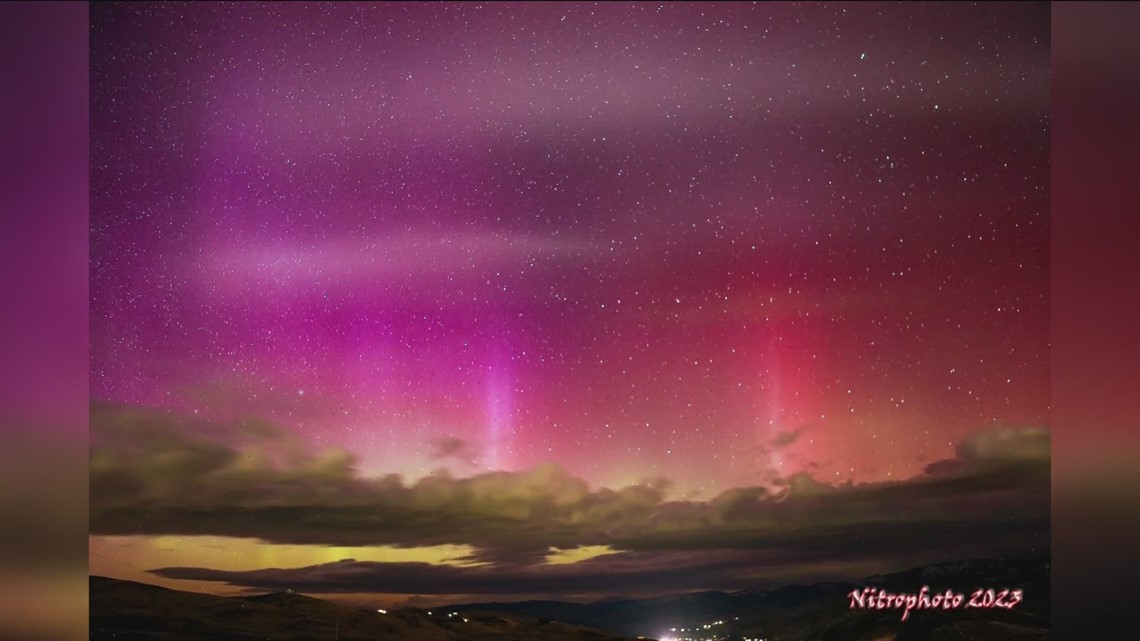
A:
153,473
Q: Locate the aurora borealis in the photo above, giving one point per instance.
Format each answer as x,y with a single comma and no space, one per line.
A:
715,294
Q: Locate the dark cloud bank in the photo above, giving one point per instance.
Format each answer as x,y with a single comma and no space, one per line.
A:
153,473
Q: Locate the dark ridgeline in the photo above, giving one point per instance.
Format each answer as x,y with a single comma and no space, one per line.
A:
128,611
819,612
122,610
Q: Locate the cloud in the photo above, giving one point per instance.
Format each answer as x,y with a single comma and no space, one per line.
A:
1025,449
448,447
785,439
162,474
625,573
410,258
785,560
1029,444
451,448
491,88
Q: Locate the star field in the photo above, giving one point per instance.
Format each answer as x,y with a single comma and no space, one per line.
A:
720,243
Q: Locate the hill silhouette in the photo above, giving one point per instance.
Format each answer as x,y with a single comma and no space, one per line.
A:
820,611
129,611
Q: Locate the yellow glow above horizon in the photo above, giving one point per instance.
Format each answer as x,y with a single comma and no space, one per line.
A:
581,553
130,557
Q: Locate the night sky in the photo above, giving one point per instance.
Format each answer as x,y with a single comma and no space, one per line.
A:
648,281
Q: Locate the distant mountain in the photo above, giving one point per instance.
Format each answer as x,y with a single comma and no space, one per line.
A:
128,611
820,612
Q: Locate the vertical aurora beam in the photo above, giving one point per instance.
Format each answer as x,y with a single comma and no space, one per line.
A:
499,404
771,413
